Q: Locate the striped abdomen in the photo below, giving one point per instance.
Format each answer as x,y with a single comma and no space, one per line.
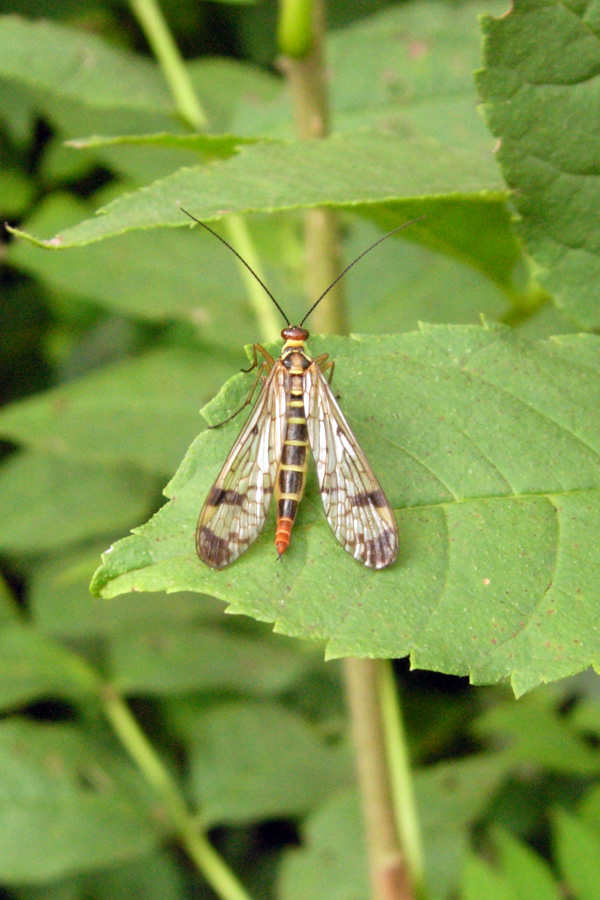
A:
291,475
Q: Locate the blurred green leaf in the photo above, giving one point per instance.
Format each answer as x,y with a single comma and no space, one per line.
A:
540,95
241,757
331,860
72,63
142,412
527,873
451,796
61,604
173,659
33,667
48,502
577,847
73,805
538,735
487,446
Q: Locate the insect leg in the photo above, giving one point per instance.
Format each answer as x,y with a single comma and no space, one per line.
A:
325,364
263,369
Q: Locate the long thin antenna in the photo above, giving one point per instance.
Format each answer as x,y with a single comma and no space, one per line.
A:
354,261
241,259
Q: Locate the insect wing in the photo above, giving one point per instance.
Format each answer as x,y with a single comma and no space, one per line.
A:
355,506
235,510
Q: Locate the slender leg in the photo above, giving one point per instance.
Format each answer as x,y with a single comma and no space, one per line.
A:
263,369
326,365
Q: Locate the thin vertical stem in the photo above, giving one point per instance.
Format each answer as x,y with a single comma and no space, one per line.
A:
401,777
139,748
160,39
387,867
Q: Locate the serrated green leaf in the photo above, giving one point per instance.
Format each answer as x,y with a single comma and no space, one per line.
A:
369,167
32,667
241,756
577,847
174,659
487,446
142,412
72,805
61,604
540,95
48,502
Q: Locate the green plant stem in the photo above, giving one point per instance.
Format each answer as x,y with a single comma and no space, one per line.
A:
400,773
387,867
308,90
154,26
295,28
267,316
127,729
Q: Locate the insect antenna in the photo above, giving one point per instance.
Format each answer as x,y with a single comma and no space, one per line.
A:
242,260
354,261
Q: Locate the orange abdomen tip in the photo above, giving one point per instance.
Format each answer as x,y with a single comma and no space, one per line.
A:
282,535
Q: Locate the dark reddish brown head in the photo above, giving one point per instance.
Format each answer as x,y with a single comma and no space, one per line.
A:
294,333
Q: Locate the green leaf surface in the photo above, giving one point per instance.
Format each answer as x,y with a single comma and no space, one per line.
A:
487,446
48,502
32,667
142,412
411,65
241,756
175,659
481,880
539,736
70,804
527,873
184,275
451,796
541,100
77,64
331,861
577,847
61,604
370,167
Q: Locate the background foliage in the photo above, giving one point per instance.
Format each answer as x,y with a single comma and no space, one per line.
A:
485,433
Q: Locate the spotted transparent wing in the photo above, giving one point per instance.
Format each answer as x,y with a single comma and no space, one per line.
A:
235,510
355,505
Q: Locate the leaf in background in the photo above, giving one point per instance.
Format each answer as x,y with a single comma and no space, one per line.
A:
343,170
72,805
48,502
411,66
241,756
487,446
166,274
61,605
538,735
178,658
451,796
527,873
76,64
32,667
541,97
577,848
142,412
331,861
